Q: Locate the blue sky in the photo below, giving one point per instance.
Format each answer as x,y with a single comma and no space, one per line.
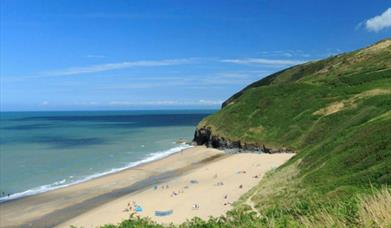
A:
94,55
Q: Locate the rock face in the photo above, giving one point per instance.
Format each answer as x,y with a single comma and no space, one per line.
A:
204,136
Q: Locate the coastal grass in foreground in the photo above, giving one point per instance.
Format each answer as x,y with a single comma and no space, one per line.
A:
336,114
372,210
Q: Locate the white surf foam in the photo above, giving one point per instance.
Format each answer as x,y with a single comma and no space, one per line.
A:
62,183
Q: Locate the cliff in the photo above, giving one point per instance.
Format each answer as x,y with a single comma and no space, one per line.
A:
203,136
282,108
334,113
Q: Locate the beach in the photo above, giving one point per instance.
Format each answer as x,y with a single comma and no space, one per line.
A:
199,176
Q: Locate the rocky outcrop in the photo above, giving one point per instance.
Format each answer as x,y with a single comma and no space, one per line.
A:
204,136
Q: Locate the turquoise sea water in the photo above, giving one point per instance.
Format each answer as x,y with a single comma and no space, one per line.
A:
40,151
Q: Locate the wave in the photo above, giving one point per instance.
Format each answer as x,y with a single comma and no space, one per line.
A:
61,184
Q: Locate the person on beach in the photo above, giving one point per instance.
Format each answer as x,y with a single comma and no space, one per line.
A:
129,208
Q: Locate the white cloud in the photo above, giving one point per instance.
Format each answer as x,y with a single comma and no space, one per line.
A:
121,103
92,103
163,82
44,103
117,66
210,102
135,103
167,103
227,78
190,80
379,22
285,54
259,61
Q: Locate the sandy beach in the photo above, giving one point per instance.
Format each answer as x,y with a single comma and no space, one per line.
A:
202,176
51,208
213,187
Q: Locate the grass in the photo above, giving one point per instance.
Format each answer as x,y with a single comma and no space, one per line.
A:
336,114
373,210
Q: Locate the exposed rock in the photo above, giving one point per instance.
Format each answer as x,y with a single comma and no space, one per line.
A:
204,136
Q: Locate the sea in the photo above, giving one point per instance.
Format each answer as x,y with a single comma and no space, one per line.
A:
43,151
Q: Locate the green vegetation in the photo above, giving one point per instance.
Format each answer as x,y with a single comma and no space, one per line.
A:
360,211
336,113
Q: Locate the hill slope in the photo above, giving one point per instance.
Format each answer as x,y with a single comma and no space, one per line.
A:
336,112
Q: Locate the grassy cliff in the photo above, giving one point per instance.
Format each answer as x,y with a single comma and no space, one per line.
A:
336,114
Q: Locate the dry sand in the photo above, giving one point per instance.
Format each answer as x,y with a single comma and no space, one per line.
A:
104,200
54,207
213,198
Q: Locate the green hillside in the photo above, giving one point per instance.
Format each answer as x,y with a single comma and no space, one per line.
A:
336,115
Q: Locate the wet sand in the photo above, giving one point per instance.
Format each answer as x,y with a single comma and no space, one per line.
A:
199,175
58,206
213,187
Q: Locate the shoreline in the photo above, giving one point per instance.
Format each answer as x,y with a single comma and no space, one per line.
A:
102,200
154,156
207,190
67,202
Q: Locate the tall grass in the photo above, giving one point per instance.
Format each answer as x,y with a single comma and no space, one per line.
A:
375,210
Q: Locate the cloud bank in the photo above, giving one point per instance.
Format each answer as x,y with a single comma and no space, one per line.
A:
117,66
168,103
379,22
263,61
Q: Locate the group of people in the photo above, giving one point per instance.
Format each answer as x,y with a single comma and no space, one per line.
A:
177,193
133,207
196,206
3,194
163,187
227,202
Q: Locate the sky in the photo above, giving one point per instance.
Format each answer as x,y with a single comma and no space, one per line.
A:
163,54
